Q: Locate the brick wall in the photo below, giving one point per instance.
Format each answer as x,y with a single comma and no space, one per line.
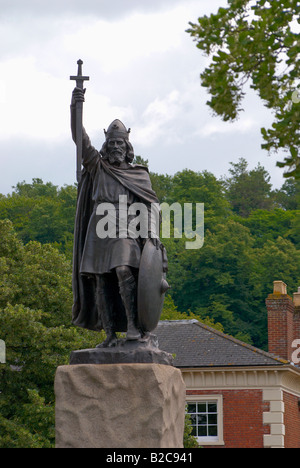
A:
291,421
297,323
283,320
242,417
296,300
280,325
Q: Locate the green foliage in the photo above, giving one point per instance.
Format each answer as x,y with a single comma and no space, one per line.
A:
248,190
255,41
288,196
42,212
35,275
162,185
35,319
36,189
268,225
216,277
229,278
33,352
217,283
170,312
189,441
250,241
199,187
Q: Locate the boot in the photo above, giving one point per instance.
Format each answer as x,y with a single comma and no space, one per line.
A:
128,292
104,304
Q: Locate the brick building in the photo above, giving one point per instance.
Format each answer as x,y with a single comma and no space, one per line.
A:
239,396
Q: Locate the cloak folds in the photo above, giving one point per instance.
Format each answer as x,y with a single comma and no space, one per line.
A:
136,179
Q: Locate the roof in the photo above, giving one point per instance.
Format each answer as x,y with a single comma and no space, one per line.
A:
198,345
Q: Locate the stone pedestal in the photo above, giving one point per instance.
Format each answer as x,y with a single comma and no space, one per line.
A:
119,406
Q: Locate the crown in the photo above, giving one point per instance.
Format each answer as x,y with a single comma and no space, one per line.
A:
117,130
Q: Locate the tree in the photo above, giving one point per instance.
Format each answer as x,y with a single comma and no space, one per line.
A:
248,190
170,312
189,441
35,275
162,185
229,278
42,212
278,259
288,196
33,353
35,323
223,284
217,280
267,225
254,41
200,187
36,189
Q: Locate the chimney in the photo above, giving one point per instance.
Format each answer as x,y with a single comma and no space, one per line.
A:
296,300
280,308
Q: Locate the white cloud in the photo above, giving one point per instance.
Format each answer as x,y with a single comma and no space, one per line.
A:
218,128
116,45
30,106
144,70
3,94
158,119
102,8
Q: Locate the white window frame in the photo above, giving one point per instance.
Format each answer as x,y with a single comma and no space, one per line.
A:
218,440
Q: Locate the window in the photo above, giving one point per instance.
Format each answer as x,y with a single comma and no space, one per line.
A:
206,419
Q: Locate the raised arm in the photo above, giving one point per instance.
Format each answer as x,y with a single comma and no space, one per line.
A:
89,154
77,96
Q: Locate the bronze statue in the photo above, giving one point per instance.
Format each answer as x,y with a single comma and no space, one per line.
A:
109,291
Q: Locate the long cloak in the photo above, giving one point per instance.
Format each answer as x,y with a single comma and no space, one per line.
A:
136,179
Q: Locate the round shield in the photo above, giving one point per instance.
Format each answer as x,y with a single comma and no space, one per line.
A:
152,286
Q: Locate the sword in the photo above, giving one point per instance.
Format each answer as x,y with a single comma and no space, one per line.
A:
79,108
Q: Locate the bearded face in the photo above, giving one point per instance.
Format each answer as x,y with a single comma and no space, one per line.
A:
117,149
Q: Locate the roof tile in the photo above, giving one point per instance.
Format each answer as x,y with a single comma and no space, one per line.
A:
197,345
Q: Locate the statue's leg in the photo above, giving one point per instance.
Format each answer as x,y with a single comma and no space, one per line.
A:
104,304
128,293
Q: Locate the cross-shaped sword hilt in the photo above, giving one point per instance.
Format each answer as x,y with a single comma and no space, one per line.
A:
79,78
79,105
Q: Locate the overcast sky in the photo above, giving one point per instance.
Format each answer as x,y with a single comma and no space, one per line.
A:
144,70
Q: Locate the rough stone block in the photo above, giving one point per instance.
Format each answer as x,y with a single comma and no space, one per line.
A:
119,406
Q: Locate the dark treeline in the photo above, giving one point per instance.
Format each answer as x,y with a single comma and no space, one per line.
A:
252,236
251,239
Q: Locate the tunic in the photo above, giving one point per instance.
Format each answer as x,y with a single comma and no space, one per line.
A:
102,255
